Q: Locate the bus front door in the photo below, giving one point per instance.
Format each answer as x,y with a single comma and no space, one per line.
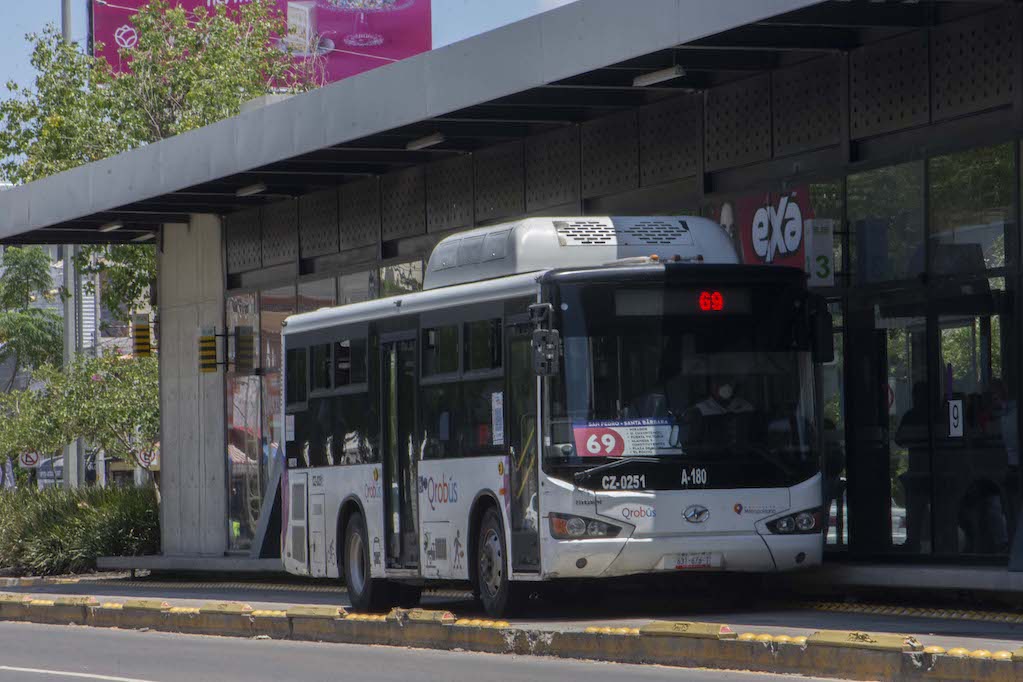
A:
398,365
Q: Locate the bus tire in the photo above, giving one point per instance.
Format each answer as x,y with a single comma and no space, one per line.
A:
365,593
492,580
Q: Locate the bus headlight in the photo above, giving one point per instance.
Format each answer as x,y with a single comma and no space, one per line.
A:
571,527
804,522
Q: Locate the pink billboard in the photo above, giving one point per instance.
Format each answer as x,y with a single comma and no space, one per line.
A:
350,36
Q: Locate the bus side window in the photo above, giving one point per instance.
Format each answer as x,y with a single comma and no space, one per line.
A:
296,385
298,376
439,405
483,408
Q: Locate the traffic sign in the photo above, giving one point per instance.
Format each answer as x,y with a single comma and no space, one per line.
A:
143,339
148,459
28,460
208,353
244,349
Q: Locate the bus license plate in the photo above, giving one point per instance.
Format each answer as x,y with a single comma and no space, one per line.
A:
688,561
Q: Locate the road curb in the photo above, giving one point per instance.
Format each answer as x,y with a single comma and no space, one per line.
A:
845,655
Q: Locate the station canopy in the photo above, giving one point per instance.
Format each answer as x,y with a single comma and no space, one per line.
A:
579,62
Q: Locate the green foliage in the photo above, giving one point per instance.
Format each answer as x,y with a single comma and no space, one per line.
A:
127,270
29,423
64,119
111,401
26,277
58,531
31,337
188,70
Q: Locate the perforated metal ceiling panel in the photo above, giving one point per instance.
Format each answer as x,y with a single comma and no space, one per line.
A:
280,233
552,169
318,223
807,106
500,181
670,139
973,63
360,214
738,123
243,241
610,154
449,194
403,203
888,85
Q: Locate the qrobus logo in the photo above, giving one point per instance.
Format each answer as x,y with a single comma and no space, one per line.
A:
444,491
777,231
638,513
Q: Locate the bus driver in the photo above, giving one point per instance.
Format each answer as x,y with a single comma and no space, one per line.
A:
722,418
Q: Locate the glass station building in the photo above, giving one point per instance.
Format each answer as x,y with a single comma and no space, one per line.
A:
890,130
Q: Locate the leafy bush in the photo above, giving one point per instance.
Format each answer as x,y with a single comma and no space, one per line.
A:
57,531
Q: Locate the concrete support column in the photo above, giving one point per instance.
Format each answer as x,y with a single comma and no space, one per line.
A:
193,461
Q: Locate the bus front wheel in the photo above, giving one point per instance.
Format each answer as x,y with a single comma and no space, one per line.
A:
365,593
492,580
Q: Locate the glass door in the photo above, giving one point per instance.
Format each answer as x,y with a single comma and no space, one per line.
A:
398,364
888,469
975,459
520,421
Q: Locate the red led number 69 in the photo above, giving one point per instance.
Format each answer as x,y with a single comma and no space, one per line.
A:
711,300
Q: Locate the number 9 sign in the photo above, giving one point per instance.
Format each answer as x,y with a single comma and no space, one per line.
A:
598,442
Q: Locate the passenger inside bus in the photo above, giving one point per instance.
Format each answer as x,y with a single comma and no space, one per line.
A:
723,418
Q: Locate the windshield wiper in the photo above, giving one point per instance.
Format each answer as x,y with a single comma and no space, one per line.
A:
611,465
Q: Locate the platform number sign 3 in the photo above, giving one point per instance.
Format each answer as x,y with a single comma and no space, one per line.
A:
955,418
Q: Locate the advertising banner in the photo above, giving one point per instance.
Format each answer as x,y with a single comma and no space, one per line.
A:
780,228
627,437
350,36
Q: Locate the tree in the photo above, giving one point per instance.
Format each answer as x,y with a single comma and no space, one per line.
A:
187,70
29,336
121,410
111,401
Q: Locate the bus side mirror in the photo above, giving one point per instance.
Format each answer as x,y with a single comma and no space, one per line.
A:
546,351
823,333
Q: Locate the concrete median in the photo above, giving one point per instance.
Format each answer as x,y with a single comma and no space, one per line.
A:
849,655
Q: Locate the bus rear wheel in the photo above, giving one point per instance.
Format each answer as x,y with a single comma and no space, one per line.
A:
365,593
492,580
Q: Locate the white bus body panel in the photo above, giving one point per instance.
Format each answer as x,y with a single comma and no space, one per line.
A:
535,244
447,490
296,541
734,537
328,489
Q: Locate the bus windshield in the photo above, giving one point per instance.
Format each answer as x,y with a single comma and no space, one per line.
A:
677,386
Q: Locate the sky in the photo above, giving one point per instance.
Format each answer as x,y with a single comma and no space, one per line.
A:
453,20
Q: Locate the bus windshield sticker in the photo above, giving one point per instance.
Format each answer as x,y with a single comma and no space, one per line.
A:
497,417
626,438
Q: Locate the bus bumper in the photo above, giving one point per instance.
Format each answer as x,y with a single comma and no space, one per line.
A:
629,556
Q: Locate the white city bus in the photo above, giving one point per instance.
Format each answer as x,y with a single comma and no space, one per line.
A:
567,398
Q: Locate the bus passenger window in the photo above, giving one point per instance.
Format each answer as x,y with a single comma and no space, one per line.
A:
482,345
298,376
440,350
439,404
349,362
483,436
321,367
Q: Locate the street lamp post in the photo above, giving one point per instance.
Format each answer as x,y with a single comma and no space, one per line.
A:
73,464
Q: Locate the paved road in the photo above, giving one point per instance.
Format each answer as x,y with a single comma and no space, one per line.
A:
50,653
602,607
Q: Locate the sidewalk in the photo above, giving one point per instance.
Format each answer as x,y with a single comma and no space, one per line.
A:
604,630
